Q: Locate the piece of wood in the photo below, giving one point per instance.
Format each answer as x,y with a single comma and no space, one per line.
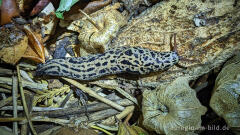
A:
15,97
79,110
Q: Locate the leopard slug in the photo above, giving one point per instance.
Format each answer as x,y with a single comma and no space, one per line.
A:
132,60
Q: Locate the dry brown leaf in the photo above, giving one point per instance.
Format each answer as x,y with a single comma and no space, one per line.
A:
35,50
13,44
31,54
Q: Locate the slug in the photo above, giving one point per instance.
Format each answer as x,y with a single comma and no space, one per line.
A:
132,60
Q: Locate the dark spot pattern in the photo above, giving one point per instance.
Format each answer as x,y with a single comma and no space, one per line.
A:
126,62
148,64
153,54
129,52
145,58
112,61
141,51
137,62
91,59
133,60
102,71
167,55
114,68
105,63
90,69
98,64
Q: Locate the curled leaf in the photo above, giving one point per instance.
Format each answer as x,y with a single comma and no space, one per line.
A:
8,11
35,50
96,31
13,44
225,100
172,109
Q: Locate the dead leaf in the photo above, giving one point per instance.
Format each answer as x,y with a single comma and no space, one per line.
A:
172,109
13,44
96,33
35,50
225,99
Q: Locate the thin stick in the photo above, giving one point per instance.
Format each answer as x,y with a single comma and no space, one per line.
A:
34,109
101,129
94,94
124,113
6,101
128,118
23,120
24,102
14,99
121,91
90,20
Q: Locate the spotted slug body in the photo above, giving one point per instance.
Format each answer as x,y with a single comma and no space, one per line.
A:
133,60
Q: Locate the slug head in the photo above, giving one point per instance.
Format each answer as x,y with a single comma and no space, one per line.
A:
137,60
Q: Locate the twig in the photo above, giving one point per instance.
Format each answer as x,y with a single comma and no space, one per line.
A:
90,20
128,118
66,99
6,101
93,117
101,129
23,120
14,99
4,71
26,76
79,110
24,102
3,95
108,127
26,66
27,84
94,94
3,90
120,116
96,116
121,91
36,109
